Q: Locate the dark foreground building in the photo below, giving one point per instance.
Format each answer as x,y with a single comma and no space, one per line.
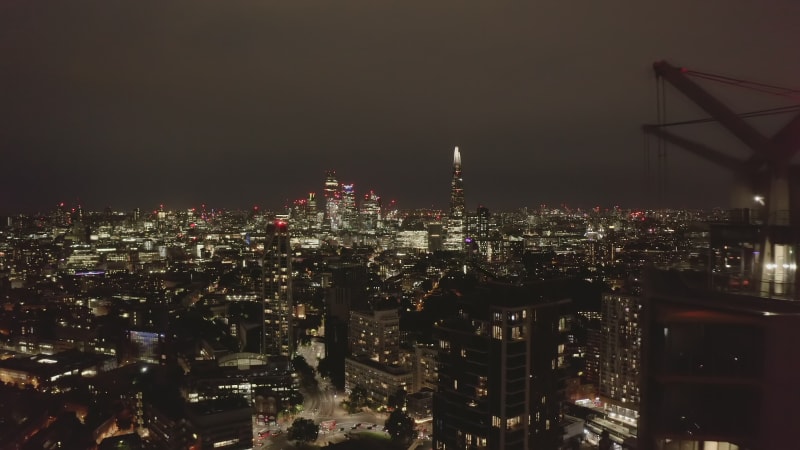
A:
501,370
719,370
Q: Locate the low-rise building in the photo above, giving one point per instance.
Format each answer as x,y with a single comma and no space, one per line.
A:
41,371
379,380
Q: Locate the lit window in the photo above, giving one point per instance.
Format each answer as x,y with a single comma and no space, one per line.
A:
497,332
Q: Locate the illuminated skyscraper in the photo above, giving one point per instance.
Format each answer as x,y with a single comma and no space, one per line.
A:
620,354
480,233
348,211
311,209
278,291
332,199
455,223
370,211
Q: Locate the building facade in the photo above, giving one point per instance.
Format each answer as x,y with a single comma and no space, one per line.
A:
719,370
501,371
278,305
379,380
375,335
621,351
456,222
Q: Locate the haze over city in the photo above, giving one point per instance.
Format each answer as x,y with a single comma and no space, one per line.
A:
242,103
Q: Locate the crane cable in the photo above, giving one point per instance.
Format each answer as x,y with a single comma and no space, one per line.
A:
758,113
771,89
661,144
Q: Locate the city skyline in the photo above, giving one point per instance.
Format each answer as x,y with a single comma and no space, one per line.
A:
132,105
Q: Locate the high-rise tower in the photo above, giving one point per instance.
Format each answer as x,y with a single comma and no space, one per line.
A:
278,291
370,214
455,222
332,199
501,369
457,188
348,212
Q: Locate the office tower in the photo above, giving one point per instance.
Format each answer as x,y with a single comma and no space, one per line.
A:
456,218
348,211
332,200
719,370
311,210
435,240
481,233
304,213
278,339
620,355
370,211
501,369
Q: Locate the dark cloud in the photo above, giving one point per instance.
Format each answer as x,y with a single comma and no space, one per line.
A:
248,102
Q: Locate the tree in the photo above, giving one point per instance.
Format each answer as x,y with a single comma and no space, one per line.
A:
308,382
324,368
358,398
400,427
398,399
303,430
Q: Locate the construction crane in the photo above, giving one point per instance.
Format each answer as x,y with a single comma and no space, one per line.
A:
766,176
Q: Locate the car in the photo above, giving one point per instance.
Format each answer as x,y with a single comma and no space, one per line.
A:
277,432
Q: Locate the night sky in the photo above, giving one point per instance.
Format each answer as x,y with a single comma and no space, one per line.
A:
231,103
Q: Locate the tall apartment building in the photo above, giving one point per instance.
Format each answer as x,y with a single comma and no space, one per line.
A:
374,344
345,290
424,367
501,370
593,325
278,305
620,354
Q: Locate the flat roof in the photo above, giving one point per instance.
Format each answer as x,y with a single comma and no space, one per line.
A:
691,288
